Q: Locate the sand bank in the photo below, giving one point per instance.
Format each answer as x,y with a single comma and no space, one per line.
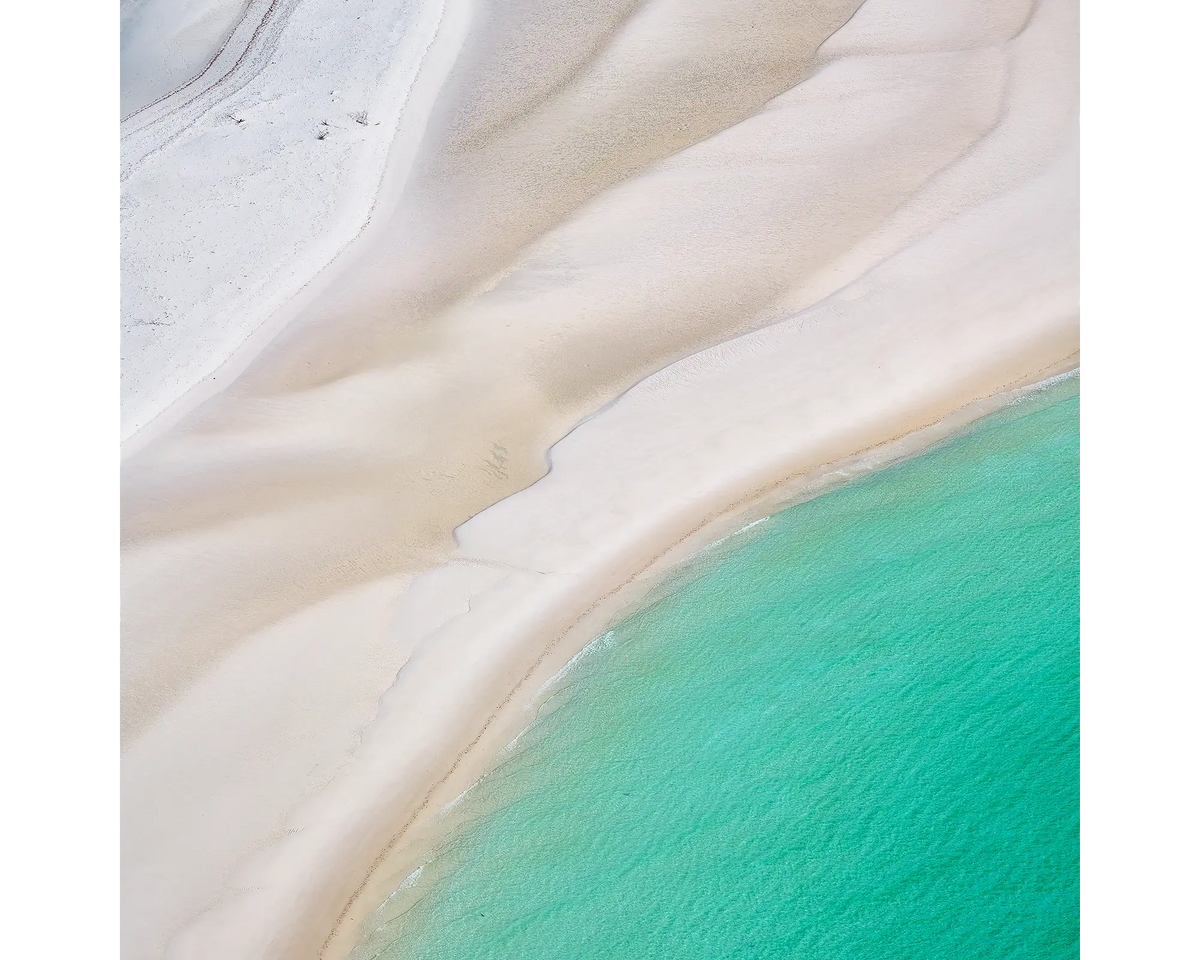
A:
678,293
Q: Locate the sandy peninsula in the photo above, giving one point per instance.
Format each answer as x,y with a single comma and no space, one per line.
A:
445,323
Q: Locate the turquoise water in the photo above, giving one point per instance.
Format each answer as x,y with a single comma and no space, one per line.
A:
852,732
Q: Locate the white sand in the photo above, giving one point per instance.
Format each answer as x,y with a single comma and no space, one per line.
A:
230,202
816,250
165,45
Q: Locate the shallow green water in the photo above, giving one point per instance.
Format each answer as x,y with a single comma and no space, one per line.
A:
851,733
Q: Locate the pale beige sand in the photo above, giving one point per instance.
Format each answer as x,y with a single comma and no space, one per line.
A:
817,249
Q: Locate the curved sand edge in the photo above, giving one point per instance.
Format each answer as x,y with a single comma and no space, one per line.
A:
416,842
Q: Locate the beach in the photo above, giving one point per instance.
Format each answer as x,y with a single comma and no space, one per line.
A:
597,284
706,778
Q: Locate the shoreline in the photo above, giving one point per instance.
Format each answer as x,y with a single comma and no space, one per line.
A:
589,328
533,578
417,841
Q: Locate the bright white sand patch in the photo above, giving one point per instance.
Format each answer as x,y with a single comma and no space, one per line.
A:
233,201
165,43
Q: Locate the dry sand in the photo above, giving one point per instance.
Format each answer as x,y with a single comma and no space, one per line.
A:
677,251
